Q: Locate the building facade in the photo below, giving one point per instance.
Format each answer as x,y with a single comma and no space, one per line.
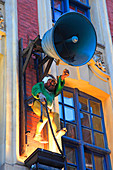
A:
85,106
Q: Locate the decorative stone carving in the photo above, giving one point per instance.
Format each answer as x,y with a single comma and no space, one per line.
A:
99,58
97,64
1,20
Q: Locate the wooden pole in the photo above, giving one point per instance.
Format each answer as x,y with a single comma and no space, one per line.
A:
21,102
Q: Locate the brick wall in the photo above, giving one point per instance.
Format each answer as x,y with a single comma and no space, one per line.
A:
28,30
27,20
110,14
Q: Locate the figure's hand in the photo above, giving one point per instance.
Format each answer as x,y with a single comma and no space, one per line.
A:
42,98
65,74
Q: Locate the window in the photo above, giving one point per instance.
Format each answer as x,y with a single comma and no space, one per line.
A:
85,143
57,9
61,6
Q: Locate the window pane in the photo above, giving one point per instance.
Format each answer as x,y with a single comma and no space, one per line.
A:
99,162
95,107
71,168
69,114
83,103
99,139
80,11
59,98
57,4
84,1
62,124
72,8
57,15
88,160
70,155
87,136
71,130
68,98
97,123
85,119
60,111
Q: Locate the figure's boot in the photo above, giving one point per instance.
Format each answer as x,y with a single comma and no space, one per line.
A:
39,138
60,133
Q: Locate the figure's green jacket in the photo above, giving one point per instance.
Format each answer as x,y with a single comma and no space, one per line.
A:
39,88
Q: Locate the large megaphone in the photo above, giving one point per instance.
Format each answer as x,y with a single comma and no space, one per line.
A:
72,39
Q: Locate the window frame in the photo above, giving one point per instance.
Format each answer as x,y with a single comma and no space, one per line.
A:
79,143
65,7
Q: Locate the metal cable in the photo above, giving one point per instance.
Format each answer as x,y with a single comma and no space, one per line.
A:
53,132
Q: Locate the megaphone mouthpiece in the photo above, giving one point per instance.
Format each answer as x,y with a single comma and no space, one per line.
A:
73,39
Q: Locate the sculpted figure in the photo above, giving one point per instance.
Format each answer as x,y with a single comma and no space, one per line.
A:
46,91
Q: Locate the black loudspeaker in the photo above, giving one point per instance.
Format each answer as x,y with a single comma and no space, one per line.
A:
72,39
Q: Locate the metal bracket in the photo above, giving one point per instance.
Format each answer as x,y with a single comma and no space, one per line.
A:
33,48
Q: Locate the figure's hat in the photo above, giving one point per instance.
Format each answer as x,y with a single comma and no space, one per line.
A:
49,76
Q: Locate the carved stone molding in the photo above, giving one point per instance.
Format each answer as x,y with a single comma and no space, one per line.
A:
2,15
99,58
97,64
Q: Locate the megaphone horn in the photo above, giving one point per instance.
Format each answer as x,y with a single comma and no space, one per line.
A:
72,39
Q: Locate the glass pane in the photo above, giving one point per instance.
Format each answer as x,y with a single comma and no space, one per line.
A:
88,160
83,103
59,98
84,1
97,123
71,130
99,162
72,8
99,139
71,168
95,107
70,155
69,114
57,15
80,11
60,111
85,119
87,136
61,124
57,4
68,98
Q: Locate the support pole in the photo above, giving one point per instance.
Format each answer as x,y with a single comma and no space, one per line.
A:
21,101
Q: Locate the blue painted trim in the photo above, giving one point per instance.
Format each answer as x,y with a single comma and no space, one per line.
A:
63,109
66,5
103,126
67,105
108,162
82,164
93,161
97,149
72,141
